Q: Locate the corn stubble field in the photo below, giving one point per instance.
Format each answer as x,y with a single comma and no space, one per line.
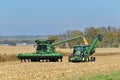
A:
107,61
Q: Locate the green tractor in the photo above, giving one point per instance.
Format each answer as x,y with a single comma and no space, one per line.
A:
45,51
82,53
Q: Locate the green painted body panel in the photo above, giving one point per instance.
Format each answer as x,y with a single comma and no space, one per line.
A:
35,55
81,53
76,59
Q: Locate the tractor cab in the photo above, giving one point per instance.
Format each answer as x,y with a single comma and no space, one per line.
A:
79,49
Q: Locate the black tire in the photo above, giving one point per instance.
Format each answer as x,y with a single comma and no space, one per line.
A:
87,59
93,59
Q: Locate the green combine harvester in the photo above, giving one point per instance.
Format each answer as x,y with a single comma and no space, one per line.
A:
45,51
82,53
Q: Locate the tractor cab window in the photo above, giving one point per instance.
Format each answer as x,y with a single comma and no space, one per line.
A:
79,48
42,48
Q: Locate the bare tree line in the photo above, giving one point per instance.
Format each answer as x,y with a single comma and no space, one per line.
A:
111,36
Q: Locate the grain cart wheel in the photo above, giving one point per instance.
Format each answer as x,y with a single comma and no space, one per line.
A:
92,59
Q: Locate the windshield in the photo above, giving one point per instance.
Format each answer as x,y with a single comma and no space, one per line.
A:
79,48
42,48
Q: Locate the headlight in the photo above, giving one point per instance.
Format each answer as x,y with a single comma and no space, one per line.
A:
83,59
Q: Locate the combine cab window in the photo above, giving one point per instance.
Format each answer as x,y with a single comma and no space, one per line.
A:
42,48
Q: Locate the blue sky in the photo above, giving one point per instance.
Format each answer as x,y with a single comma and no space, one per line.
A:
48,17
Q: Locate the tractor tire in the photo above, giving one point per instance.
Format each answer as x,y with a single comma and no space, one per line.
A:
87,59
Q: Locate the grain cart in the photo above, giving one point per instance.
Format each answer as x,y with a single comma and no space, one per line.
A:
45,51
82,53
